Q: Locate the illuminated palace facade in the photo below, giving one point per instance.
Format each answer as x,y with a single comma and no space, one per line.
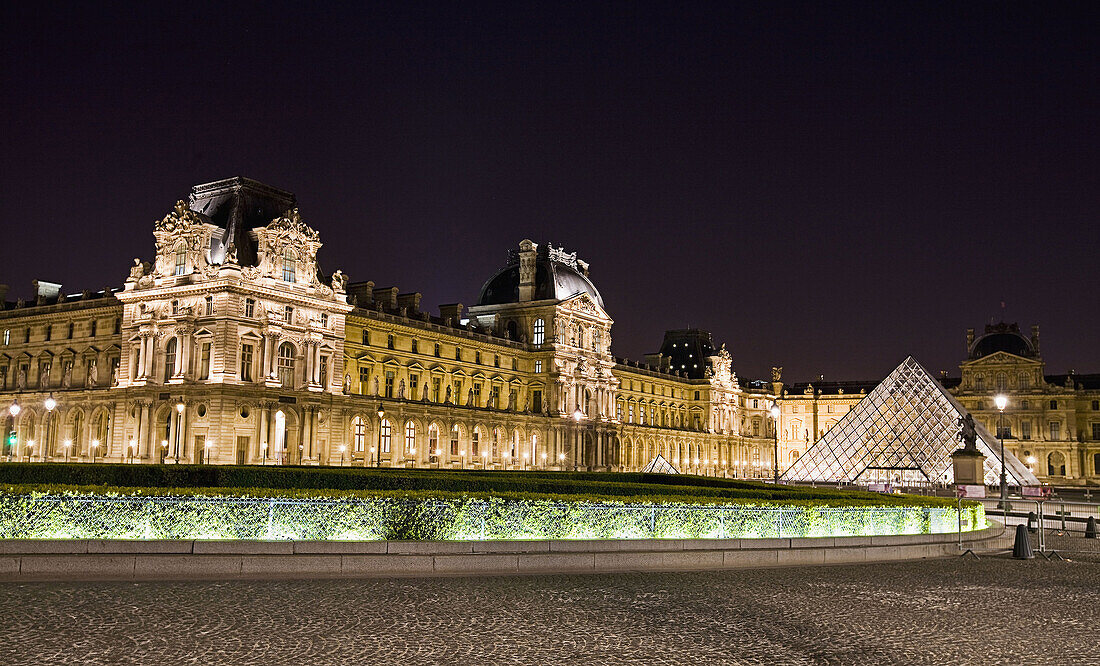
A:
232,347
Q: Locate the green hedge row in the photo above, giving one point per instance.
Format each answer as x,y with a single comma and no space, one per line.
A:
652,487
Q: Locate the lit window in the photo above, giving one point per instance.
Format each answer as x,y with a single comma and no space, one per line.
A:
359,434
538,366
290,264
410,438
286,365
540,331
181,261
385,429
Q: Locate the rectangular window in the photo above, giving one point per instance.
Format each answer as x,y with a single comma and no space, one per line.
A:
438,349
249,307
1025,404
1005,432
181,263
324,370
458,391
477,357
7,336
496,396
49,331
454,441
414,382
630,412
1055,430
538,367
536,401
324,320
437,384
477,394
204,361
117,327
1096,431
288,314
496,360
366,338
458,353
246,362
209,305
364,380
540,332
619,411
1025,430
71,327
415,348
389,384
175,307
390,341
385,431
27,335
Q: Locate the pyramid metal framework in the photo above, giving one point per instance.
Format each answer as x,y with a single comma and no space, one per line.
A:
903,431
660,466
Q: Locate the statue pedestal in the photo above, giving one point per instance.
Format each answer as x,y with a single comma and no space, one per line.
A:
969,467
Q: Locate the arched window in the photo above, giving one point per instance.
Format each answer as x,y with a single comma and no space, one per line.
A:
169,359
540,332
286,365
386,435
181,261
496,443
1056,464
359,434
475,443
290,265
433,440
410,438
454,440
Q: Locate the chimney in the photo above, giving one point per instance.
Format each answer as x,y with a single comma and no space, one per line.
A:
528,252
409,301
386,297
451,312
362,292
43,289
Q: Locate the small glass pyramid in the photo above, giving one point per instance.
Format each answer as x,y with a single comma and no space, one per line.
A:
904,432
660,466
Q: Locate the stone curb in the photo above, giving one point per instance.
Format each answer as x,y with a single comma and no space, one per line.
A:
28,560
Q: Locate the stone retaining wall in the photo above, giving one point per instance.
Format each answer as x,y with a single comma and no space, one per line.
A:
27,560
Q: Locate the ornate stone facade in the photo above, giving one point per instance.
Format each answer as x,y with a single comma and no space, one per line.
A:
229,347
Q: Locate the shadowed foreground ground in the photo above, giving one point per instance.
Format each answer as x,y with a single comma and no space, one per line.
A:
931,612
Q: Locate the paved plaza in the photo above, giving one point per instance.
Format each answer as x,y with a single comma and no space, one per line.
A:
956,611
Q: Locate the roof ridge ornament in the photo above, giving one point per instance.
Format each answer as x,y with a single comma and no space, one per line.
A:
560,256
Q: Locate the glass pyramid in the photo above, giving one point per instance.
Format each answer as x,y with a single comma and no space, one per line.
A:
660,466
902,432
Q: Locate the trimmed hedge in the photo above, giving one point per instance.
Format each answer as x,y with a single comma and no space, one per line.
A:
291,481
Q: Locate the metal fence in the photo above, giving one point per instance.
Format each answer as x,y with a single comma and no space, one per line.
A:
1053,525
200,517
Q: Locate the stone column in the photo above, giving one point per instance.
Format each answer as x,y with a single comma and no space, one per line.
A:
140,428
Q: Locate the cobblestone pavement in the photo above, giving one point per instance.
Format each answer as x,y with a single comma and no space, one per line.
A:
957,611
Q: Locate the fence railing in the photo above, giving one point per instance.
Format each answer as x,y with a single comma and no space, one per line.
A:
1054,524
203,517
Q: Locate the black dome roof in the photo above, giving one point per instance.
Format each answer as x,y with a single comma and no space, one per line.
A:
1002,338
553,280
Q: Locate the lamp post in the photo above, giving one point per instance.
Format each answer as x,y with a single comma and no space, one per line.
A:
774,411
68,445
381,416
180,406
342,450
164,449
1001,401
50,405
578,416
95,449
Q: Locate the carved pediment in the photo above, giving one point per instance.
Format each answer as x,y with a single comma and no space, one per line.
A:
181,229
289,238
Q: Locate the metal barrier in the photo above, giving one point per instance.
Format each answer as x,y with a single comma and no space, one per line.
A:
1058,526
251,518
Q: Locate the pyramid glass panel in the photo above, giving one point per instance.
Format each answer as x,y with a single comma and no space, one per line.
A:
660,466
903,431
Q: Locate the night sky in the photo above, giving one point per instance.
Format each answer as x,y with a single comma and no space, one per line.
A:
828,190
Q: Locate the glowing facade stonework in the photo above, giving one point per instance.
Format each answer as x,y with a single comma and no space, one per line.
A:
231,346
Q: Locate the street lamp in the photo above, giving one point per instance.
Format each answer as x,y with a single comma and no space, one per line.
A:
774,411
164,449
30,449
561,461
132,447
95,448
1001,401
14,409
578,415
180,406
67,444
50,403
342,450
381,415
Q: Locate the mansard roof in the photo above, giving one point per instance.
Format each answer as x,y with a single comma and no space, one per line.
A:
239,205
